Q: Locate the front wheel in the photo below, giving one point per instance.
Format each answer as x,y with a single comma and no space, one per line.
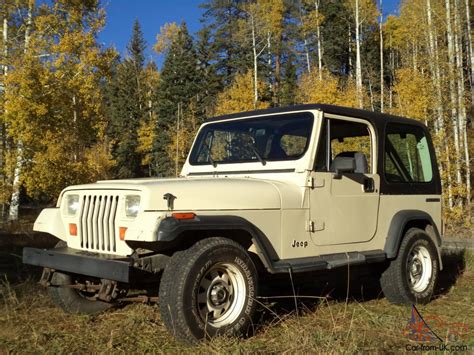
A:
208,290
71,300
411,277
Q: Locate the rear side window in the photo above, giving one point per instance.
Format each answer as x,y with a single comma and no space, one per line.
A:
407,156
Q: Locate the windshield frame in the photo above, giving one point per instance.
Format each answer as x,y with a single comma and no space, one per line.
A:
206,128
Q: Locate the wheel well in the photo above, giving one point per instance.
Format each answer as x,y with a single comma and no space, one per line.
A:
402,222
188,238
416,223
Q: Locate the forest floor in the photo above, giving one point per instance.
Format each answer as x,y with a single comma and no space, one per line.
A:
328,314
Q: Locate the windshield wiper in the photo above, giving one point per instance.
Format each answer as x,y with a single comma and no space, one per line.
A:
255,150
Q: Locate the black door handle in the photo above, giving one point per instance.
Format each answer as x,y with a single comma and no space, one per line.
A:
369,185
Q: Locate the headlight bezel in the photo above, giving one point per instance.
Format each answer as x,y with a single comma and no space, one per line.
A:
72,205
132,205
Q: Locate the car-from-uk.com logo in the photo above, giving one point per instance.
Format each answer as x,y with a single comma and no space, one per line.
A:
423,334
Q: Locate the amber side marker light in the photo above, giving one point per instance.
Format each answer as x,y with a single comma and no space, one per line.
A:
187,215
122,231
72,229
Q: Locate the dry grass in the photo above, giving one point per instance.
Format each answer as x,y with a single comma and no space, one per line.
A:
31,323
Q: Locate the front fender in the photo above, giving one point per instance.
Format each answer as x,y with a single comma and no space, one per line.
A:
49,221
145,227
171,230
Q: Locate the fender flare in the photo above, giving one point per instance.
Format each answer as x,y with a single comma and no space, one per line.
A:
397,226
170,230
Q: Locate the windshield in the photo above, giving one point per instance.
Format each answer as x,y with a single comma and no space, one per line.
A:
267,138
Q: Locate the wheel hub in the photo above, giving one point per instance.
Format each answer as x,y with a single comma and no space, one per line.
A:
419,268
219,294
416,268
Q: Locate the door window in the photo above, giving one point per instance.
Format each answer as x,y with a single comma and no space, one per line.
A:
341,138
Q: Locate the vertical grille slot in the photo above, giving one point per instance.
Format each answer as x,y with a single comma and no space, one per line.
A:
97,222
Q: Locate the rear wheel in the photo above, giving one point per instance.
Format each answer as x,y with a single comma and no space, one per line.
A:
411,277
208,290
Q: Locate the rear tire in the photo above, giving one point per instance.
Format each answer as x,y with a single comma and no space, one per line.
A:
411,277
208,290
69,299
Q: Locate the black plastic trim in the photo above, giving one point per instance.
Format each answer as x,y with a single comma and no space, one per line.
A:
397,225
171,230
329,261
374,117
82,263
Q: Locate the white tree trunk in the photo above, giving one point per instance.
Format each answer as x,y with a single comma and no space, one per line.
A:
320,43
452,91
381,59
2,89
471,51
5,45
269,59
358,60
15,199
255,66
460,85
350,52
433,47
434,66
305,44
177,140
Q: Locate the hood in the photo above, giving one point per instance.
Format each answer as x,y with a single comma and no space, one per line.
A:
207,193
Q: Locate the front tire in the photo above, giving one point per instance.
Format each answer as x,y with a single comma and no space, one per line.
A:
71,300
208,290
412,276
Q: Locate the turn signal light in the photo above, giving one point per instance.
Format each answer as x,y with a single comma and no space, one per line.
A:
122,231
72,229
187,215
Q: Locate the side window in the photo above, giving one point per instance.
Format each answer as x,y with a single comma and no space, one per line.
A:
407,155
347,139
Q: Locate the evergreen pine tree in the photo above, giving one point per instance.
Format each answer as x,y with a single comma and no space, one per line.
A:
210,83
222,18
289,85
335,33
179,86
127,107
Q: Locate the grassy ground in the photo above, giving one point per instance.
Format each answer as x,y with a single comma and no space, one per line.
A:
341,321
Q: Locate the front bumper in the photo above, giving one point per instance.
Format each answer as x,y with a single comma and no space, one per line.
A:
81,262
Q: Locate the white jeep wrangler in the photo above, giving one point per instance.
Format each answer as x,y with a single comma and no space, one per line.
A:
290,190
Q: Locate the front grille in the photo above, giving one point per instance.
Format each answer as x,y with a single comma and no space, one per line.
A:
97,222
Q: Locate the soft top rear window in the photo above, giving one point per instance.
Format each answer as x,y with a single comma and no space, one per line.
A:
407,157
266,138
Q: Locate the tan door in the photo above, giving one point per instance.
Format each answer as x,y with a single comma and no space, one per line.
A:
344,207
344,210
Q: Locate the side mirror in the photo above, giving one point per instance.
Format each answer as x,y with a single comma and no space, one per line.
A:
343,165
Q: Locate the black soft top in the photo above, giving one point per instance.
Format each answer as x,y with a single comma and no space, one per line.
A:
377,119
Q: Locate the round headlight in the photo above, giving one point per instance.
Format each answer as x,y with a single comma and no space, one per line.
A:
72,203
132,205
